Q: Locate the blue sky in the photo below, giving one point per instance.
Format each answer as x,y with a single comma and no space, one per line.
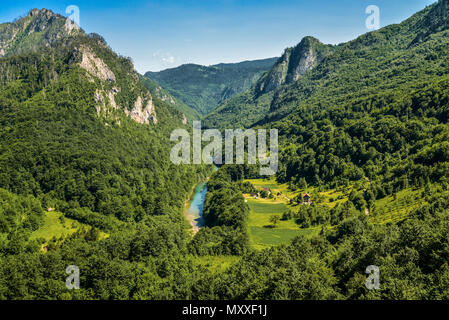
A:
160,34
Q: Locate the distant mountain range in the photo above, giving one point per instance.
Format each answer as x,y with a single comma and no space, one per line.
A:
203,88
251,105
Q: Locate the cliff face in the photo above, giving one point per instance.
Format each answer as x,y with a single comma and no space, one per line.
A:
293,64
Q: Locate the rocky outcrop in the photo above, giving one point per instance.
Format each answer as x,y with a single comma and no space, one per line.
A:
293,64
143,110
95,66
105,101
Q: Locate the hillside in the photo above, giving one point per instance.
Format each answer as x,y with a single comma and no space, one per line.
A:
157,91
363,180
80,136
251,105
375,107
204,88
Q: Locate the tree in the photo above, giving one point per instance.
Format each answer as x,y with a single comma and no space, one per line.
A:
274,219
264,194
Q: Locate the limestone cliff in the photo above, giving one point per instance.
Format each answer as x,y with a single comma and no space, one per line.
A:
293,64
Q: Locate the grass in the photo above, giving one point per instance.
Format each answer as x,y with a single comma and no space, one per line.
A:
390,209
395,208
262,238
261,234
57,226
216,264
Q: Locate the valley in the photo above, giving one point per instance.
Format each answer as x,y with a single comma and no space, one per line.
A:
87,178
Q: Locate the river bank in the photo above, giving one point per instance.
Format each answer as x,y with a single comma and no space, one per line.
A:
193,207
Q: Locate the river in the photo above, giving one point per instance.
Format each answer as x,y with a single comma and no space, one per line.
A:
194,209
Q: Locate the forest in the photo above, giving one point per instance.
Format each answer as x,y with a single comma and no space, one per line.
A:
370,119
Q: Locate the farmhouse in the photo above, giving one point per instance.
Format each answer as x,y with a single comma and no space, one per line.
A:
306,198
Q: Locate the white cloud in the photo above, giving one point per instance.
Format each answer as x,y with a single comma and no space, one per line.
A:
166,58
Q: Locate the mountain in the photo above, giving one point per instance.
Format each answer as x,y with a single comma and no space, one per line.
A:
253,104
81,133
38,28
204,88
293,64
375,107
371,62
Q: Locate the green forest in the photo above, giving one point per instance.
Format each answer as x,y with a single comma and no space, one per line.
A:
86,177
203,88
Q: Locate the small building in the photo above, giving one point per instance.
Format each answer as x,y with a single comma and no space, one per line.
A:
306,198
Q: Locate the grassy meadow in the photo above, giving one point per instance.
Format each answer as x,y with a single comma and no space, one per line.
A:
390,209
216,264
57,226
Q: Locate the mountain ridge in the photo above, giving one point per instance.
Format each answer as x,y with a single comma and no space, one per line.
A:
274,105
293,64
203,88
39,27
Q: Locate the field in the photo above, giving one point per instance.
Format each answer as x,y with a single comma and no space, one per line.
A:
327,197
395,208
57,226
215,264
262,234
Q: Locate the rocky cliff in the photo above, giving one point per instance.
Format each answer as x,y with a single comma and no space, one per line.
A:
293,64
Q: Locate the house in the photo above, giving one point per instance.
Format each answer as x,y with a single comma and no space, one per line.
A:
267,190
306,198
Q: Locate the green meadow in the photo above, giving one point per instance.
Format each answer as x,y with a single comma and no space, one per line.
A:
57,226
215,264
390,209
261,232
